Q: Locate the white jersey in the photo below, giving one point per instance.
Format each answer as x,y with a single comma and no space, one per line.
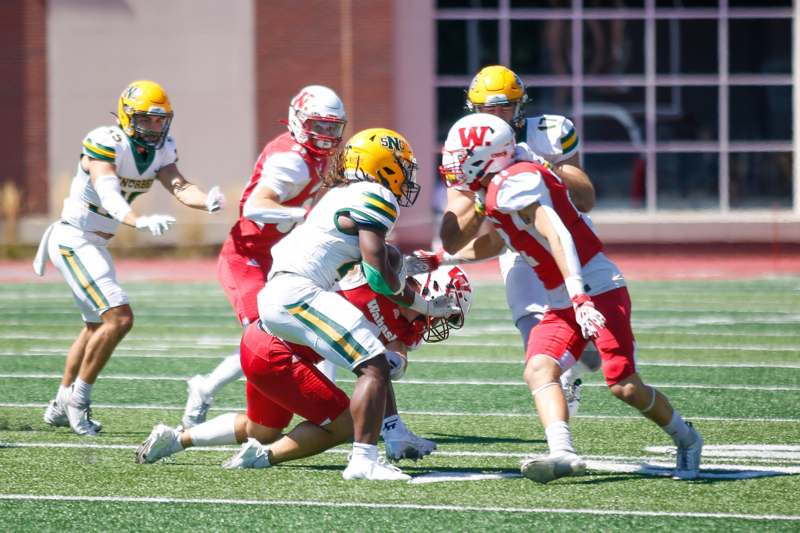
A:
318,250
552,137
82,208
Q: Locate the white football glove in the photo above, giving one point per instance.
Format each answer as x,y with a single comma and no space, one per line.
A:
157,224
422,261
588,318
215,200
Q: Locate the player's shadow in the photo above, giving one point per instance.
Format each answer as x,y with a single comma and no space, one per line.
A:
449,438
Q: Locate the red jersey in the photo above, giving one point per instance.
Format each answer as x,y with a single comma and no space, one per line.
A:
521,185
295,175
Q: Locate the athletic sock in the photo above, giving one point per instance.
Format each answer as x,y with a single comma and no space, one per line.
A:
679,430
230,369
559,438
370,451
81,393
219,430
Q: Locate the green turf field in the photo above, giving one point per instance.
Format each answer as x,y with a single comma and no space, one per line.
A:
727,353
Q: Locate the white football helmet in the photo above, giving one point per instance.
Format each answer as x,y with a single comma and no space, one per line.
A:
447,279
476,145
317,119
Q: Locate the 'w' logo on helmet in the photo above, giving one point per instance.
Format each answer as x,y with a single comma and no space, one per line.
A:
473,136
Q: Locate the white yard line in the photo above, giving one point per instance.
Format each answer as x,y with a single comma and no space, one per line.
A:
531,415
361,505
131,353
490,383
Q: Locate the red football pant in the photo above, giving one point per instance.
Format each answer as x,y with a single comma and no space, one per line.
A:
242,279
281,383
558,335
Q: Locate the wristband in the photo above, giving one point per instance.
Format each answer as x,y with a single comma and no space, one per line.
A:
574,285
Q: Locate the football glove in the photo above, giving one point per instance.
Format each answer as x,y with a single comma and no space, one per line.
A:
215,200
156,224
588,318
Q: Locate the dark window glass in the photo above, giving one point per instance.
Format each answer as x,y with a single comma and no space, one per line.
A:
761,113
541,47
610,4
523,4
619,180
464,46
687,181
761,180
687,3
448,4
450,107
549,101
686,46
613,47
613,114
687,113
759,3
760,45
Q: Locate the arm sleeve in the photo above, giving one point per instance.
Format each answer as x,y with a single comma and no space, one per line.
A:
286,173
553,137
110,194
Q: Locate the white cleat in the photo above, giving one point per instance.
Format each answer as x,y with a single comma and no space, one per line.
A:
547,468
197,404
688,466
80,419
252,454
406,445
571,385
362,467
162,442
56,415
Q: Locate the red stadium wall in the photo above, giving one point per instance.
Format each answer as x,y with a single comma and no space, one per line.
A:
23,101
350,45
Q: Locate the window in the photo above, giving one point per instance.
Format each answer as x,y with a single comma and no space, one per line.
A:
668,119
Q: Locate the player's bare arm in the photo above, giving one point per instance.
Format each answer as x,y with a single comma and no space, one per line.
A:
482,247
188,193
460,223
581,190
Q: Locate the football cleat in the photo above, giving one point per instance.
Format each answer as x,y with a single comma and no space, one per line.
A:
406,445
162,442
252,454
56,415
571,385
80,419
197,403
547,468
688,465
362,467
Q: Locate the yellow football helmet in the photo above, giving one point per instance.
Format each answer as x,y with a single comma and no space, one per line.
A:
497,85
383,156
140,99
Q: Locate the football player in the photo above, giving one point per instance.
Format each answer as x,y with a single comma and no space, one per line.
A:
374,177
117,164
531,211
281,190
283,381
497,90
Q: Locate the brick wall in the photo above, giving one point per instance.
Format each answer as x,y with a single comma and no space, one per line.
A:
346,45
23,103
